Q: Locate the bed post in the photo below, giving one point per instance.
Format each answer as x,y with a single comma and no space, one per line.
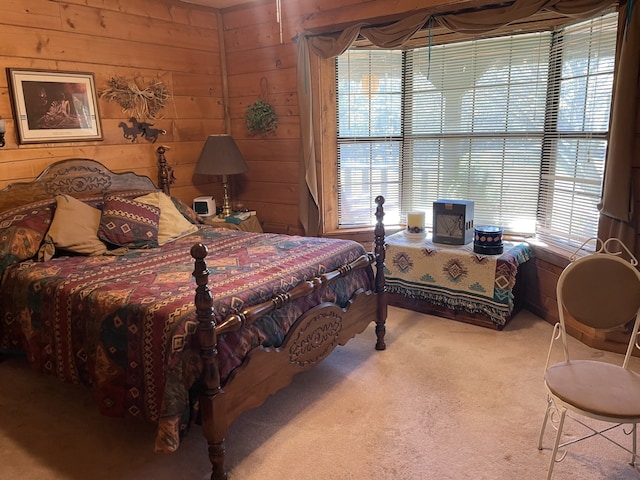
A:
165,172
379,252
213,421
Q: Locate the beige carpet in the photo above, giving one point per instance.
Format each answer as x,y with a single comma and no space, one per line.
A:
446,400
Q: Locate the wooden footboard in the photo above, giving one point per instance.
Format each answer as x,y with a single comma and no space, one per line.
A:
266,370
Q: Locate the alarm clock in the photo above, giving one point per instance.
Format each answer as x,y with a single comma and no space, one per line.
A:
453,221
204,206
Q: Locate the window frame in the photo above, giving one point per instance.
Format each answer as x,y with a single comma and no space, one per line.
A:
326,150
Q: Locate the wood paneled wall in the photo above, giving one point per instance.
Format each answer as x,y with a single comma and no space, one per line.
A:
148,39
261,64
260,67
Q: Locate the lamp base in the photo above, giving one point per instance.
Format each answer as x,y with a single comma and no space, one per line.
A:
226,201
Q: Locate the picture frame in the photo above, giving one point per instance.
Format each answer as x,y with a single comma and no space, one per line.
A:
54,106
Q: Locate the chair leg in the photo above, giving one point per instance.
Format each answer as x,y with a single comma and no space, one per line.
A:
634,442
552,463
544,423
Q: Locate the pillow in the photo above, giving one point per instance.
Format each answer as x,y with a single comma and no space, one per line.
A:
172,224
74,228
97,200
22,230
186,211
128,223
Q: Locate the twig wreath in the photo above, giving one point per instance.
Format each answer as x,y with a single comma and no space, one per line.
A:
136,99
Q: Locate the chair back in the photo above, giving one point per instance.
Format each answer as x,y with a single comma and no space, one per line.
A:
601,291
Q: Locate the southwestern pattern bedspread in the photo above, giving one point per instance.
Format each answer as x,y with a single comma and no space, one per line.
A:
124,324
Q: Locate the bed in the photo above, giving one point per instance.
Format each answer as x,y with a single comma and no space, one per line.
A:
164,318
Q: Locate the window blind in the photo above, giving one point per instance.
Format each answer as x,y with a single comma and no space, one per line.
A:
476,125
516,123
369,105
576,131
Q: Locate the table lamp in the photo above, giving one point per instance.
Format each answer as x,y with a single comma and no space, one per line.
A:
221,156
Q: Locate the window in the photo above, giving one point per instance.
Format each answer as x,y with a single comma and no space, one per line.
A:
516,123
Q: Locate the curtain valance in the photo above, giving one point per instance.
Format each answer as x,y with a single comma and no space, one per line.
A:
482,20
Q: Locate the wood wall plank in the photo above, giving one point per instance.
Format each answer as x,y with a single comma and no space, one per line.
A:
168,10
255,84
116,25
280,57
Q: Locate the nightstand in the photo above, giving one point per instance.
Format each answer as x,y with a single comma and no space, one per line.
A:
251,224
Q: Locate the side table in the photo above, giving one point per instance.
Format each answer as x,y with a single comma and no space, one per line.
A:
454,281
251,224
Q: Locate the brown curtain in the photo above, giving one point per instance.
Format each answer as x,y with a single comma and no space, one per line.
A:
618,218
395,35
308,192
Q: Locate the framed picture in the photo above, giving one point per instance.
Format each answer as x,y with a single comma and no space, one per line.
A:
54,106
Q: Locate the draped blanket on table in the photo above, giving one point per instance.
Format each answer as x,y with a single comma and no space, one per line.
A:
124,324
454,276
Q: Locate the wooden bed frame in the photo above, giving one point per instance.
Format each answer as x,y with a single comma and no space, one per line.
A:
265,370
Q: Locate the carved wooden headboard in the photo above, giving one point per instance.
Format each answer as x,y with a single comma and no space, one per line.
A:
81,177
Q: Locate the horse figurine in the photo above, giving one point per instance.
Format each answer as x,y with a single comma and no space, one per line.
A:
129,132
144,128
151,134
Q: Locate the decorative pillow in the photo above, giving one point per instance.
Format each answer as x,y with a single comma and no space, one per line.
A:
97,200
172,224
128,223
74,228
22,230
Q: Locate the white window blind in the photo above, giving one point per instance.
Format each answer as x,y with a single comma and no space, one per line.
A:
369,101
516,123
476,125
576,133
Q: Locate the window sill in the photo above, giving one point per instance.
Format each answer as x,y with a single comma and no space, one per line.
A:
552,254
361,235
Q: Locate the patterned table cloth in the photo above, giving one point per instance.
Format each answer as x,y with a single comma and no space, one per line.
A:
455,276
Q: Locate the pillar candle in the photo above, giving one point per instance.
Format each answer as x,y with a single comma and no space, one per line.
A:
415,222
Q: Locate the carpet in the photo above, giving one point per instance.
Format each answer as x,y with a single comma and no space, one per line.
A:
446,400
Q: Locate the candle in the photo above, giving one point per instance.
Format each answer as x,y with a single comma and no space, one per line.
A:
415,223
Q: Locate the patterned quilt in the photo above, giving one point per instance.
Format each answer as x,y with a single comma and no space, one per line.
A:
124,324
454,276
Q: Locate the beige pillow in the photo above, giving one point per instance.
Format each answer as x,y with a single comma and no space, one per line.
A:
74,228
172,223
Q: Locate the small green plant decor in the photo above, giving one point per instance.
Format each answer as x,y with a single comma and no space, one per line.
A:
261,118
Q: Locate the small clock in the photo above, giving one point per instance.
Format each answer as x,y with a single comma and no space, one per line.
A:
453,221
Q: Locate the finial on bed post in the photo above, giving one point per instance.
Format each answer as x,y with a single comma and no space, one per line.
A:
206,332
379,251
207,342
165,172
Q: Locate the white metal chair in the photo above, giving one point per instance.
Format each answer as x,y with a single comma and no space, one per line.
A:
602,291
